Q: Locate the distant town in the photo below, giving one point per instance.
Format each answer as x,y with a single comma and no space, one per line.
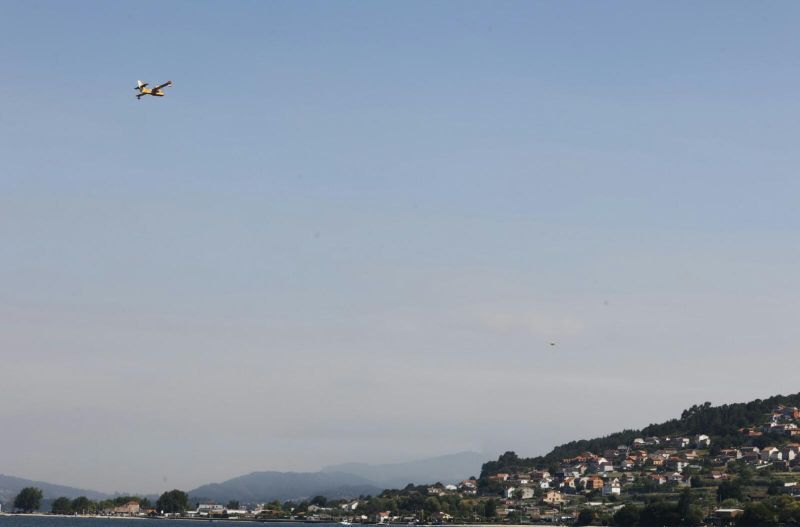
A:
729,476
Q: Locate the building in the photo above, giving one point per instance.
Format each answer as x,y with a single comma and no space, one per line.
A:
612,487
553,497
128,509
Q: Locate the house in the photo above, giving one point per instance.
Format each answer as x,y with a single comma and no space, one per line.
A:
677,464
731,453
508,492
553,497
771,453
436,490
680,442
612,487
605,467
594,483
526,493
702,441
130,508
204,509
468,486
677,478
522,479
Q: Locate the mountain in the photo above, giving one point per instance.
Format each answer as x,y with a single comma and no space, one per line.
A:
270,485
450,468
10,487
722,423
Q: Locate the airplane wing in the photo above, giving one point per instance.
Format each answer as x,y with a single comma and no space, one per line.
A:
168,83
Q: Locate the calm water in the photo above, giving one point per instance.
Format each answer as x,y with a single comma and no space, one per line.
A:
55,521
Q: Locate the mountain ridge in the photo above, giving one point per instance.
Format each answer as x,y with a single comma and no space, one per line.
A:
11,485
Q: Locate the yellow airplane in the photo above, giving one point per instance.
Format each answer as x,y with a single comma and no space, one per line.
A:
155,92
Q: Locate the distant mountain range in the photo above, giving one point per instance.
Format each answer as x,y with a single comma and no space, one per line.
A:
10,487
341,481
444,469
270,485
337,481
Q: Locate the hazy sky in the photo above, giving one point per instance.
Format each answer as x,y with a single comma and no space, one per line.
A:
350,230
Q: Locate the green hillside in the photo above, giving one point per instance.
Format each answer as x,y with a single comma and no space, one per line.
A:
723,423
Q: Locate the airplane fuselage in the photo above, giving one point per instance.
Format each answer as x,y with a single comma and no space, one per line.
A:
155,92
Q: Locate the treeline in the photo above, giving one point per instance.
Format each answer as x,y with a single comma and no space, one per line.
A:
771,511
83,505
722,423
29,500
416,500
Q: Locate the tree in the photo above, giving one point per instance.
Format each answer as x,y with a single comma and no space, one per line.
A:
776,488
61,505
319,501
627,516
233,504
585,517
658,514
432,505
173,502
730,490
757,515
28,500
490,508
82,505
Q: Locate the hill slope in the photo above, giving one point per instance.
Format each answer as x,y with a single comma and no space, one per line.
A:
10,487
722,423
270,485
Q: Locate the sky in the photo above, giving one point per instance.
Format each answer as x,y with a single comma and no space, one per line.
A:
351,230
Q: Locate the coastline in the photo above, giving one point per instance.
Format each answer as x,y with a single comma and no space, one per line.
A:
220,520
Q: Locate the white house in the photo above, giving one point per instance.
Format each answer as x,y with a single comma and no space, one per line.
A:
702,441
612,487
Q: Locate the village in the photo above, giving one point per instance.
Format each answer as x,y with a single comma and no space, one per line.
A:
590,487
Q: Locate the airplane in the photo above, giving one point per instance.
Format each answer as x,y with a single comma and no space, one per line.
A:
155,92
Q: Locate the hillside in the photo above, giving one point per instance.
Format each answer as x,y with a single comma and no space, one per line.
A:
723,423
450,468
271,485
10,487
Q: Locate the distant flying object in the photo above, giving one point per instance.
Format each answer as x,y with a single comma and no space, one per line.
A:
155,92
552,343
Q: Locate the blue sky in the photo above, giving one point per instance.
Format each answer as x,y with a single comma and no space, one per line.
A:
348,221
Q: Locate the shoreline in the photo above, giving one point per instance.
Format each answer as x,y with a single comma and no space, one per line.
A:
331,522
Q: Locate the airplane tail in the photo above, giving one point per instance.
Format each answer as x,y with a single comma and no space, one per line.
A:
140,83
